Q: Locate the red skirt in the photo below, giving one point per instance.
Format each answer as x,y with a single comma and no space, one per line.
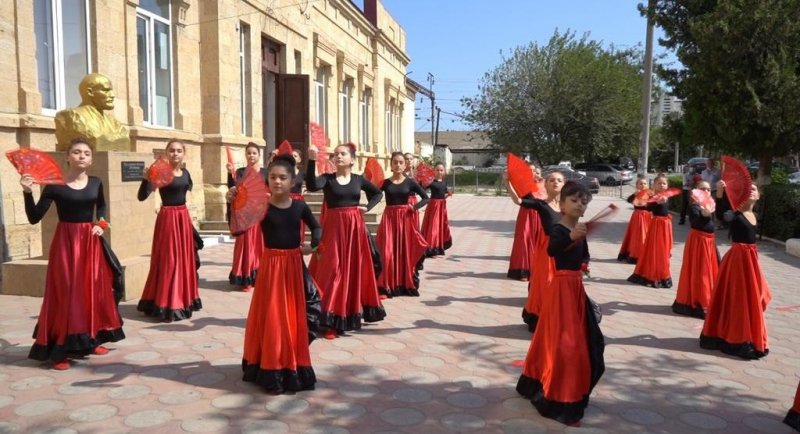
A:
171,290
276,339
246,256
698,273
344,271
565,358
412,200
401,247
793,416
635,236
542,271
526,234
735,320
652,268
78,308
436,228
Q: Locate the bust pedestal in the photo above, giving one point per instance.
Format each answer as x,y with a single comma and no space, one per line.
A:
130,235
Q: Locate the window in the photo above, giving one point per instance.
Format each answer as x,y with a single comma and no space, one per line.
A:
154,46
245,88
62,50
390,126
321,86
344,110
398,127
364,108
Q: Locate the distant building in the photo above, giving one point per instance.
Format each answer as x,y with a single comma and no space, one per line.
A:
468,148
665,106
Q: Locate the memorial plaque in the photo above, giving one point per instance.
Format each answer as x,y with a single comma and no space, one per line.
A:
132,171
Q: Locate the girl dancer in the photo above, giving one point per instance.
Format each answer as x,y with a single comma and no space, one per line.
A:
400,243
276,336
565,358
343,264
636,234
435,225
700,262
542,269
249,245
652,268
735,320
526,235
78,311
170,293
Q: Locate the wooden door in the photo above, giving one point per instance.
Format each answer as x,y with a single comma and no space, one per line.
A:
293,110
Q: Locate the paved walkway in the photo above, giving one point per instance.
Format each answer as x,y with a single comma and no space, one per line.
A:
439,363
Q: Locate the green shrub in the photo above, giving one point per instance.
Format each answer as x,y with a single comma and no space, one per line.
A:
780,177
675,181
467,178
780,217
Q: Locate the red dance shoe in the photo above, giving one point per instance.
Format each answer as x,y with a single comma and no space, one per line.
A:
247,288
61,365
101,350
330,334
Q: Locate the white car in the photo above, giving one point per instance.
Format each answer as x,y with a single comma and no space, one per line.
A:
794,178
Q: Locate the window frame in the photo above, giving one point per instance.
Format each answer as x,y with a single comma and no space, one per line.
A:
245,82
321,97
345,111
57,53
364,107
150,19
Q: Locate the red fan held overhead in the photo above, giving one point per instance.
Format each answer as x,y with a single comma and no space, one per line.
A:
668,193
250,204
424,175
520,176
160,173
738,183
642,197
40,165
374,172
704,199
285,148
320,140
231,167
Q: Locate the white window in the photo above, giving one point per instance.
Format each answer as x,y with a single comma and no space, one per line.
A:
344,110
364,108
154,46
62,51
398,115
390,126
321,86
245,88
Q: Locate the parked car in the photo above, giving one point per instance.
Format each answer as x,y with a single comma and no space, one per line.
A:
607,173
698,164
794,178
753,167
590,182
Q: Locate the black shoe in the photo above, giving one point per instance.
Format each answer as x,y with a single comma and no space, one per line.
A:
682,222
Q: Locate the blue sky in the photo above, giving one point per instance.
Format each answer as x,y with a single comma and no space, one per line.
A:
459,40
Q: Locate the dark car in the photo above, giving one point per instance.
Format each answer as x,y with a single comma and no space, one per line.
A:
591,183
698,164
610,174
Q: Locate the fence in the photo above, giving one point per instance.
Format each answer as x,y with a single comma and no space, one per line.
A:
488,181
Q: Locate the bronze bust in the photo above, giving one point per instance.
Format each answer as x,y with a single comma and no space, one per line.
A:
89,120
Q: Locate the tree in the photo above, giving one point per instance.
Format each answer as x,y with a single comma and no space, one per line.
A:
740,73
570,99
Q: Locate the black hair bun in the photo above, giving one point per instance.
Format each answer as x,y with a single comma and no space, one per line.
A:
285,158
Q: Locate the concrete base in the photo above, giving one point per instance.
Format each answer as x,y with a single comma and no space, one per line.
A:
27,276
793,246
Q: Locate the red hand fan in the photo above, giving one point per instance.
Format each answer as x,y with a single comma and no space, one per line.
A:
738,183
668,193
160,173
539,191
231,167
704,199
520,176
424,174
250,204
40,165
320,140
593,223
374,172
285,148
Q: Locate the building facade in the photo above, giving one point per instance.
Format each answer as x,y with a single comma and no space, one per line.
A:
210,73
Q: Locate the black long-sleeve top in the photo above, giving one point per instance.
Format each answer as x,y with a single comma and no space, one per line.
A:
630,200
173,194
742,231
338,195
658,209
72,206
699,221
297,185
567,256
240,174
547,214
281,226
438,189
397,194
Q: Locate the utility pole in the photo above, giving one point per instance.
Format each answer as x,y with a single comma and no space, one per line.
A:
436,134
644,136
432,97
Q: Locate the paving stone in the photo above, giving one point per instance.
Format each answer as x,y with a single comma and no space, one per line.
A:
327,429
523,426
344,410
142,356
412,395
157,374
178,397
206,423
771,425
32,383
460,422
265,427
205,379
466,400
641,416
336,355
380,358
704,420
401,416
39,408
358,391
232,400
128,391
284,404
93,413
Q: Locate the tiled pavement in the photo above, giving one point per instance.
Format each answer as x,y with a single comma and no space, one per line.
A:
439,363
